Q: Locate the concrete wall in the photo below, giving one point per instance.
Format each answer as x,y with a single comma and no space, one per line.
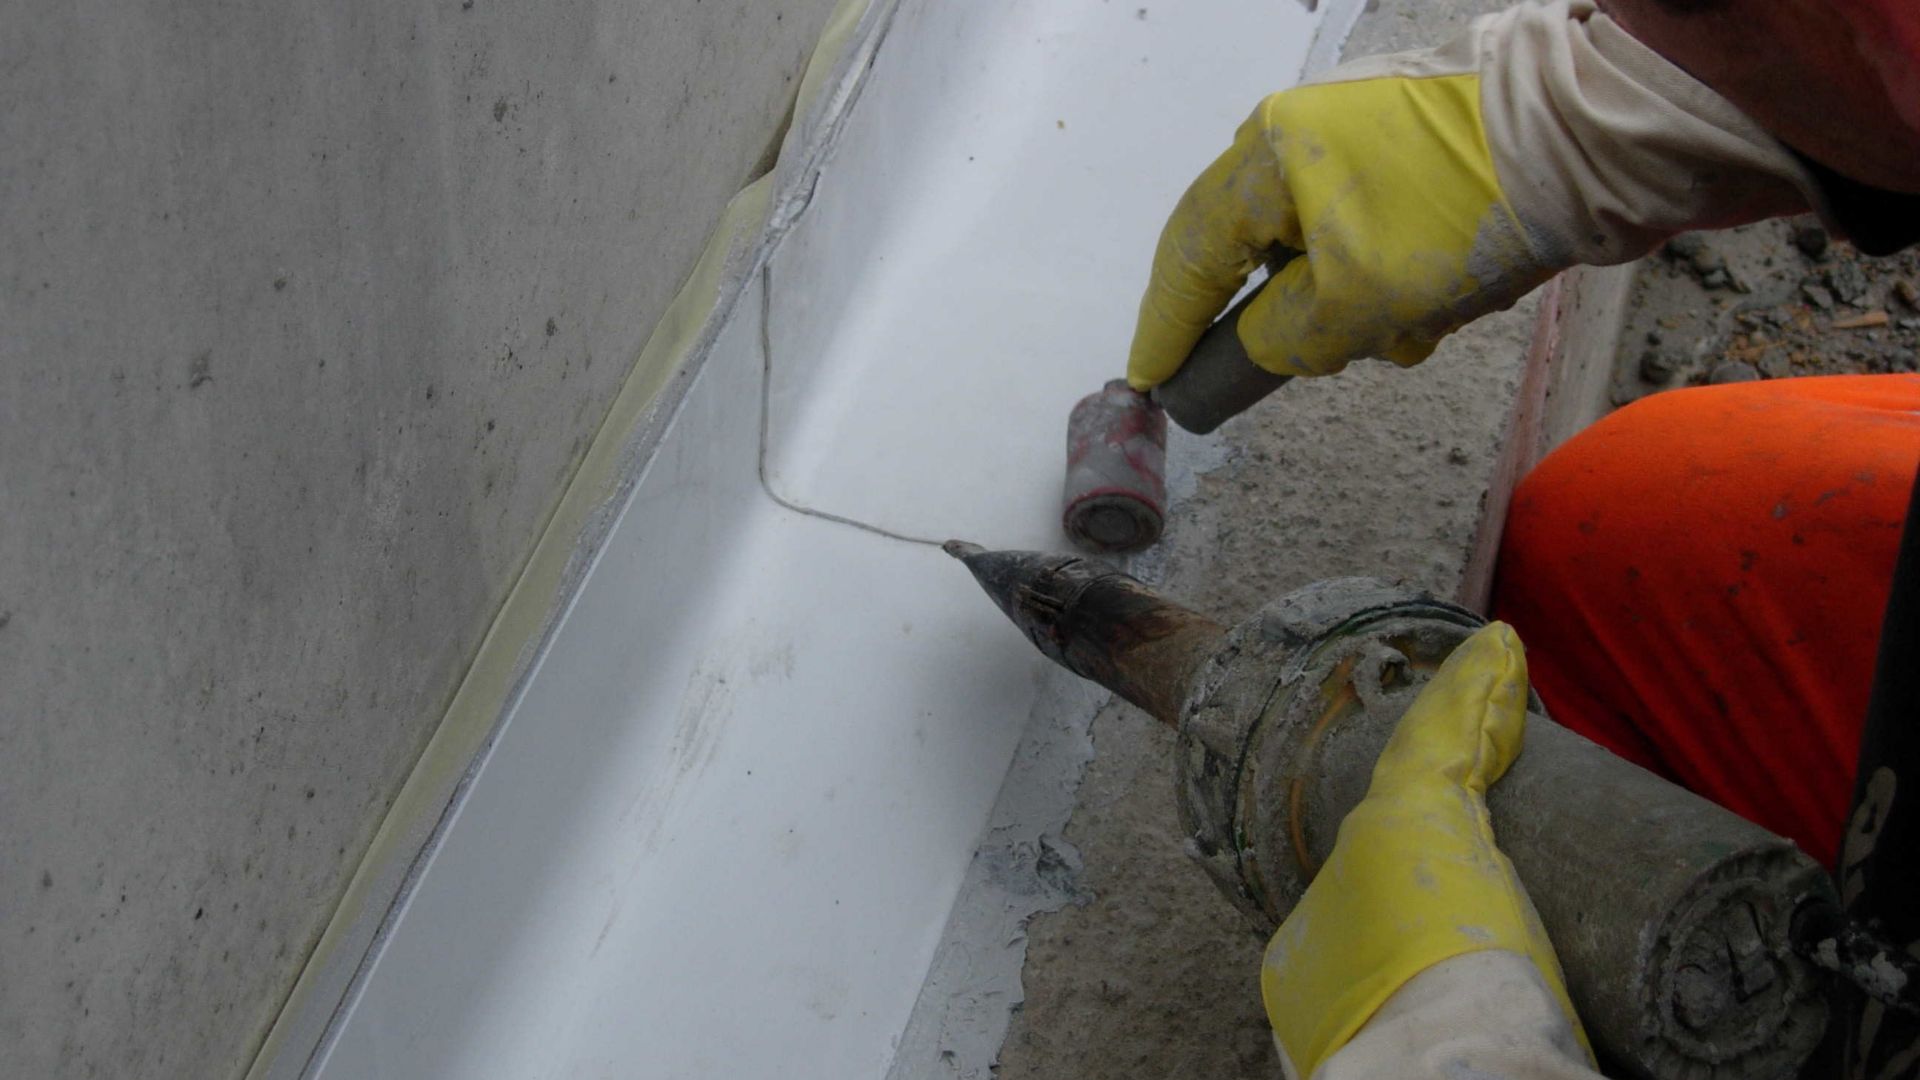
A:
306,311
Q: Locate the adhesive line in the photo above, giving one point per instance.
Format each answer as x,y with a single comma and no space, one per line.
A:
766,423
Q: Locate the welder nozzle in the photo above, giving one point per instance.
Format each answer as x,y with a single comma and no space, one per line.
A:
1098,623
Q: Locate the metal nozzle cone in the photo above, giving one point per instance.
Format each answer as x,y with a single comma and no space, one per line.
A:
1097,622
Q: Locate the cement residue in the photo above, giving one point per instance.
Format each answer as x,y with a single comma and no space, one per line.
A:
1770,300
1878,975
1024,867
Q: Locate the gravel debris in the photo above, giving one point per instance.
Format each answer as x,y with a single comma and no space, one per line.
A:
1808,305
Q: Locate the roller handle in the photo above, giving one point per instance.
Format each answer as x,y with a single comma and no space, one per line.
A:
1217,382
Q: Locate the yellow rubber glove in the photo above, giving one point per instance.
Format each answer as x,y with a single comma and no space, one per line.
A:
1415,877
1385,186
1418,191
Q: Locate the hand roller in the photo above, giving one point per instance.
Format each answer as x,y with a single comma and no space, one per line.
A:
1116,491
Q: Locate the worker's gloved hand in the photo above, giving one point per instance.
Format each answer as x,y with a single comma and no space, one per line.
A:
1415,879
1418,191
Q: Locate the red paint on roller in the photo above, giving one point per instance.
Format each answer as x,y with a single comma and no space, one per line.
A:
1116,491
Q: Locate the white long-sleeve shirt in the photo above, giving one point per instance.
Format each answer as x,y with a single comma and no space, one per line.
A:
1483,1016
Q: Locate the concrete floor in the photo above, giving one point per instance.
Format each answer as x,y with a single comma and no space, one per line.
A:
1377,472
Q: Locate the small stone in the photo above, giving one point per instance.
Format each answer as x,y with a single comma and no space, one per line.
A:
1655,337
1458,456
1848,282
1908,295
1872,320
1817,295
1773,364
1685,246
1716,278
1657,366
1909,323
1811,239
1732,371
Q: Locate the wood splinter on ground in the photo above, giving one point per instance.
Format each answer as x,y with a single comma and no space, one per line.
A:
1862,322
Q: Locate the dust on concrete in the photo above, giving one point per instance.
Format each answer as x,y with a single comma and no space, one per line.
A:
1770,300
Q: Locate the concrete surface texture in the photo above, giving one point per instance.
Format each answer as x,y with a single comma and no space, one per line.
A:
1376,471
1770,300
309,310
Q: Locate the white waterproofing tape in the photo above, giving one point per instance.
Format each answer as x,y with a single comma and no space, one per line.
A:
721,830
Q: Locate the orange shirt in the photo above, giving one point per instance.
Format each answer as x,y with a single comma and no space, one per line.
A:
1837,80
1699,579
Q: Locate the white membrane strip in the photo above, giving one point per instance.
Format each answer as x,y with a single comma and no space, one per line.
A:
723,827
